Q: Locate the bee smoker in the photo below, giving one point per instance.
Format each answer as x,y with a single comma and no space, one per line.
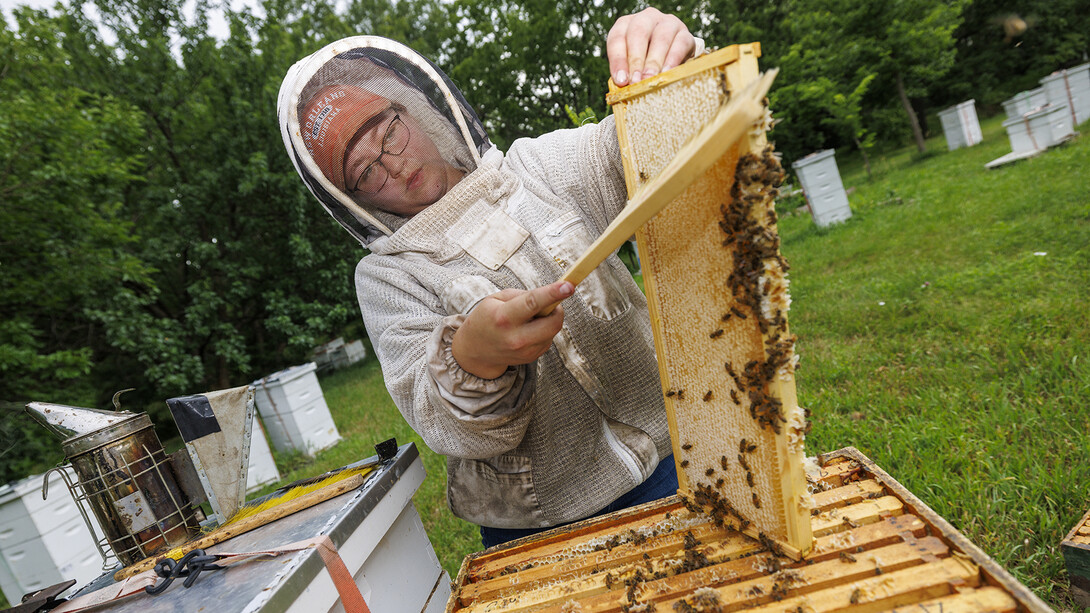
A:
125,477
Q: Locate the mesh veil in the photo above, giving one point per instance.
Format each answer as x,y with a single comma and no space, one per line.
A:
396,73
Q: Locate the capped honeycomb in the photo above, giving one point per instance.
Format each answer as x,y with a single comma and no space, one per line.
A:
717,290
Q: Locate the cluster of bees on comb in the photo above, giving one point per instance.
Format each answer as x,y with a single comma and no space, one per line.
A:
758,289
757,280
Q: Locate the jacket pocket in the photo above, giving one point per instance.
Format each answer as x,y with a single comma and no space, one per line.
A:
497,492
566,240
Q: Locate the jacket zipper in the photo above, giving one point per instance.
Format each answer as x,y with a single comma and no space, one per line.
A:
624,453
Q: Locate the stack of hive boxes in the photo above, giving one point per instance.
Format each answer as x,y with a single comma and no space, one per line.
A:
294,410
43,542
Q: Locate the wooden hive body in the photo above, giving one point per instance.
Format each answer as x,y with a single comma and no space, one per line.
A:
877,548
1076,552
726,358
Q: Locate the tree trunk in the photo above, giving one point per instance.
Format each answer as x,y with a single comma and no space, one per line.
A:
866,159
917,133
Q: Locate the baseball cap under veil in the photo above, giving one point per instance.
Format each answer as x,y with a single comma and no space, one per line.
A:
326,97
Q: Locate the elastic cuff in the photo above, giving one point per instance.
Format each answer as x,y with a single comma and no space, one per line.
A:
468,392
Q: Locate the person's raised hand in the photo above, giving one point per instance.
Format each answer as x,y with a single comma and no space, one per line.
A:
504,330
646,43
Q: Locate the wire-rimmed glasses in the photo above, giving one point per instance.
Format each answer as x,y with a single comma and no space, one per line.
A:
374,176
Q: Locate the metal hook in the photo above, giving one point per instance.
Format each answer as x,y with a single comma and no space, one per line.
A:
117,397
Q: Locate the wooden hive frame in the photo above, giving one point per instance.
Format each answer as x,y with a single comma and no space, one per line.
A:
1076,552
717,296
877,548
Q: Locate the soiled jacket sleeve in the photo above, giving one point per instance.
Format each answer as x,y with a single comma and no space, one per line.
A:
581,165
456,413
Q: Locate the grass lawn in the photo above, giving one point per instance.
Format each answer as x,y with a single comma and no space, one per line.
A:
943,332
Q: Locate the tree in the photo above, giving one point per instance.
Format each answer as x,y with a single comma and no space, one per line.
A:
67,157
907,45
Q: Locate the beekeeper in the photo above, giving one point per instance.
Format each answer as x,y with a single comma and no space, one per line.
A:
543,421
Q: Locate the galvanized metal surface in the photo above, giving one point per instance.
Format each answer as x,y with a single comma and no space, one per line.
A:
66,422
293,580
129,483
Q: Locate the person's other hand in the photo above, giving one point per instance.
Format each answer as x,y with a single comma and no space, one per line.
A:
645,44
504,330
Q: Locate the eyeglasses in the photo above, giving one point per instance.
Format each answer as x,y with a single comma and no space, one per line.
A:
374,176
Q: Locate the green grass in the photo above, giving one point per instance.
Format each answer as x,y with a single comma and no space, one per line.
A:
970,384
938,343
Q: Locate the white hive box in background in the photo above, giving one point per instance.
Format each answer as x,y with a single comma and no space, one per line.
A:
294,411
1023,102
262,467
960,125
338,354
43,542
820,179
1039,129
1070,87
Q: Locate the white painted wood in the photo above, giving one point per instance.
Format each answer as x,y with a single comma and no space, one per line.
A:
43,542
262,467
820,179
294,411
1024,102
1070,87
960,125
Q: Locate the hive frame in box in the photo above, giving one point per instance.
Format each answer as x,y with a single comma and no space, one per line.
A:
721,338
878,548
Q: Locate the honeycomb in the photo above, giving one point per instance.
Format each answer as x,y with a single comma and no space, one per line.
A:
718,293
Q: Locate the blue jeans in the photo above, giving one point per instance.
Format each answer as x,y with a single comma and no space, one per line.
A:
661,483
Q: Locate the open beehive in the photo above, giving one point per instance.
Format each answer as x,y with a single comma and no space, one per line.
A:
717,293
877,548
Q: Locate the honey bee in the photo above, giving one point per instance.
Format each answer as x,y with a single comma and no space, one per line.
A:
670,393
749,478
717,333
750,448
856,595
847,557
709,472
719,482
684,463
723,462
734,397
643,176
681,394
725,317
737,313
708,396
687,446
756,500
742,446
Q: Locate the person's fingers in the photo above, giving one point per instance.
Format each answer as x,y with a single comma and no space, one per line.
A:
662,37
528,305
637,38
617,51
507,294
681,48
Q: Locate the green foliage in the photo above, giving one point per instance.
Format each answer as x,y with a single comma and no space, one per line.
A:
582,117
878,55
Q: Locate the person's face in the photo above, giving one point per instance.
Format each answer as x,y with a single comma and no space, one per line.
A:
409,176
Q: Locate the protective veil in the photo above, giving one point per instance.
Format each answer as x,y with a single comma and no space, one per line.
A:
548,442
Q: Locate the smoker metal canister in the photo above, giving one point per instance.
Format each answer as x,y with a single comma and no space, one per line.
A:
130,485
